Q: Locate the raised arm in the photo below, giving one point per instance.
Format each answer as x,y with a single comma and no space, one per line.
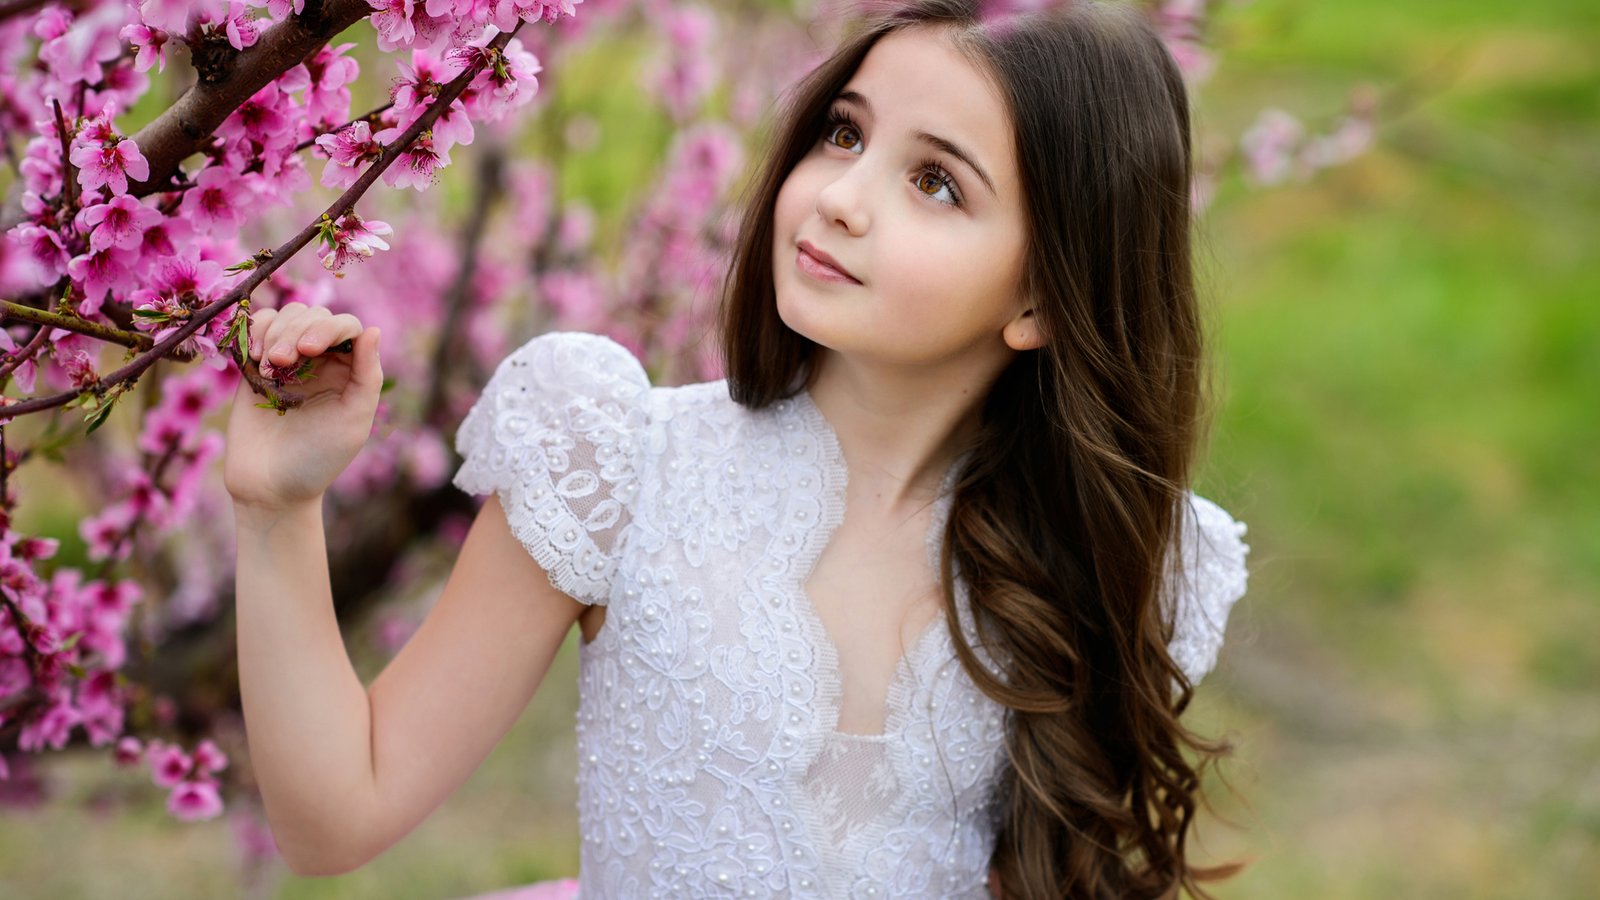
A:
346,771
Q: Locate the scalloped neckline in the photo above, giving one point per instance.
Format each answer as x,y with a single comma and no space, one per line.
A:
831,681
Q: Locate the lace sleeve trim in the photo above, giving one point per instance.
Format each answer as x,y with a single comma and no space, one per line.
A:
557,433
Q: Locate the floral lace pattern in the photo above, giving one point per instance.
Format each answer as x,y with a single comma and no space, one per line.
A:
709,764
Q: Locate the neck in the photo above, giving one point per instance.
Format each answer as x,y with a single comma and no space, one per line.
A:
900,429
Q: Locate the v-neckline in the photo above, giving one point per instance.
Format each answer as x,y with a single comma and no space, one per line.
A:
835,482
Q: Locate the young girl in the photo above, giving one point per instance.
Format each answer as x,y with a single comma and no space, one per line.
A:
908,605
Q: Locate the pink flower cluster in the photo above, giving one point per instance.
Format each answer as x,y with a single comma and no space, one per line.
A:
190,778
48,629
1277,146
151,504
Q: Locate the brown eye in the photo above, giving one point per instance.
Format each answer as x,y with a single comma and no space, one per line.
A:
929,183
847,143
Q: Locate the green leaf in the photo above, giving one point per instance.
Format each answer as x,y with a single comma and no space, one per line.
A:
99,415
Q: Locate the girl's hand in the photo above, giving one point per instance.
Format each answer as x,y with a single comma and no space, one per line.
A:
274,462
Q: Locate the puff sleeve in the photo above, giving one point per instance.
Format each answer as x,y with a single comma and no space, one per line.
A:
557,433
1209,576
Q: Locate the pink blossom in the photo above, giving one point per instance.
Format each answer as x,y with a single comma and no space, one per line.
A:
1269,145
152,45
393,22
41,164
420,79
119,223
170,15
180,278
165,237
236,22
218,199
24,373
209,758
98,271
193,801
418,166
112,599
264,118
76,54
329,71
253,838
106,533
52,22
101,704
80,368
169,765
348,149
353,238
493,96
51,728
109,165
129,751
44,248
507,12
1178,22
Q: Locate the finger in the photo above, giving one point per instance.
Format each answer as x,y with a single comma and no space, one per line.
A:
321,335
284,334
366,373
259,320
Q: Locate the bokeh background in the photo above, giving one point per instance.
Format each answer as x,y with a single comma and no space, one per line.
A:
1408,350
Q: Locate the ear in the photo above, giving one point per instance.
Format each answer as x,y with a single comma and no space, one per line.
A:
1023,332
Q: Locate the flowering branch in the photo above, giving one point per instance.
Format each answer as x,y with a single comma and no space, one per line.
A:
369,118
263,264
134,339
185,127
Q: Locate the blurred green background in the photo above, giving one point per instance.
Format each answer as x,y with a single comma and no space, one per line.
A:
1409,410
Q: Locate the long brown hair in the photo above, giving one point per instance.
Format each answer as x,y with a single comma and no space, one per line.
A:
1063,518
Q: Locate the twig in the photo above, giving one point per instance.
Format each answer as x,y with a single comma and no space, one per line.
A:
134,339
369,117
69,172
271,260
22,355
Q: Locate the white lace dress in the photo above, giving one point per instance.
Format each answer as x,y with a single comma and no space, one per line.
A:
708,760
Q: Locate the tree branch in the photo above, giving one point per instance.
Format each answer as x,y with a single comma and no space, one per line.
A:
187,125
134,339
269,261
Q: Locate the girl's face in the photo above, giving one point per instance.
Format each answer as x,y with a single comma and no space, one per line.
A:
912,190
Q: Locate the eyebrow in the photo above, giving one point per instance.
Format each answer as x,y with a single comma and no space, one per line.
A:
931,139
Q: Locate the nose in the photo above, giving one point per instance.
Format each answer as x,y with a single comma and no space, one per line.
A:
841,201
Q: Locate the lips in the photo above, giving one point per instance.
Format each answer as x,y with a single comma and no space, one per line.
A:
809,249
